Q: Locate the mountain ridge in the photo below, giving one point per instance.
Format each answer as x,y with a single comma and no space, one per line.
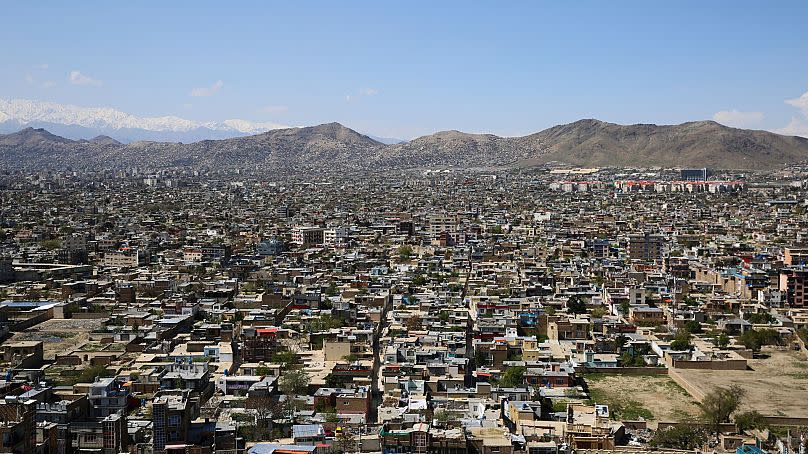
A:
333,147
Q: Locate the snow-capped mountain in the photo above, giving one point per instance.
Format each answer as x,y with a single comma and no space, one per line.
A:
77,122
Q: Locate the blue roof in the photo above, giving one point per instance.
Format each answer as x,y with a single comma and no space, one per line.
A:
307,430
749,450
28,303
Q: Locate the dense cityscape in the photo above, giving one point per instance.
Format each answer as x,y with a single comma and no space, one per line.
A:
541,310
362,227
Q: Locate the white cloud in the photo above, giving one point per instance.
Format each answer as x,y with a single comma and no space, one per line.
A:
208,91
48,84
42,66
737,118
77,78
797,126
800,103
274,110
367,91
29,78
108,118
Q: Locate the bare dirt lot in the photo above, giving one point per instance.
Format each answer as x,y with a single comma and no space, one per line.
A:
652,397
777,385
58,335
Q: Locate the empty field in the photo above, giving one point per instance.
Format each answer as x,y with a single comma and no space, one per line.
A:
652,397
777,385
59,335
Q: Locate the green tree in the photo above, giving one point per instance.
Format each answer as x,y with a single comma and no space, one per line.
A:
285,358
513,377
51,245
762,318
404,252
294,382
598,312
442,416
351,357
620,342
682,341
722,340
346,440
336,381
575,305
480,357
756,339
719,404
693,327
325,322
332,290
89,374
330,415
750,420
680,436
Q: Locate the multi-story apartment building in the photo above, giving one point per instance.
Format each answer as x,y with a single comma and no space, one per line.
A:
209,253
106,435
308,235
260,344
17,425
439,223
694,174
645,246
172,413
336,236
125,258
107,397
794,282
795,256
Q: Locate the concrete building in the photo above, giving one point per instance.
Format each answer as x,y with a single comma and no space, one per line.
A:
794,282
125,258
646,247
308,236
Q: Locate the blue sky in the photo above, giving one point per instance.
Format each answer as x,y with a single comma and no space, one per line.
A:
403,69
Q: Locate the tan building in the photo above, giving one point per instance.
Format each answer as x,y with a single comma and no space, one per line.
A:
646,315
571,329
124,258
17,351
589,427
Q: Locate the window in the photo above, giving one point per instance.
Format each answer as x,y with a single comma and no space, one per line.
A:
174,420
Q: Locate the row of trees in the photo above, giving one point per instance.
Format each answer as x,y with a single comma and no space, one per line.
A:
756,339
718,407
